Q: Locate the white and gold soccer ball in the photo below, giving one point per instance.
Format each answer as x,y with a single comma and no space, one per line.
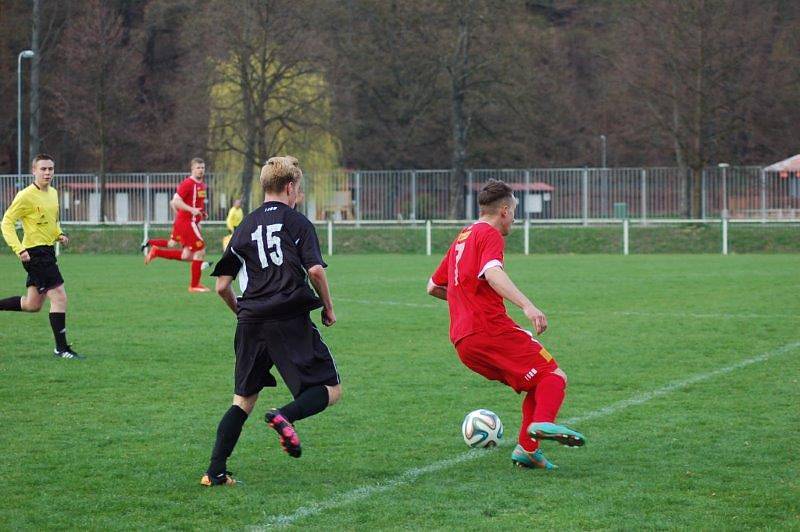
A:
482,428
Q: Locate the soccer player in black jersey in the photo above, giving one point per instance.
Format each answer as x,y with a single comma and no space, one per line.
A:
274,252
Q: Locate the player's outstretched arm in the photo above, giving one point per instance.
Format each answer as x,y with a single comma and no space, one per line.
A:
502,284
225,291
320,282
437,291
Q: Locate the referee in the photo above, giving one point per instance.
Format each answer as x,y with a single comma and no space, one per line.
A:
275,252
37,207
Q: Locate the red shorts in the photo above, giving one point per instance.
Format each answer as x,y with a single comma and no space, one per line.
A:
187,234
514,358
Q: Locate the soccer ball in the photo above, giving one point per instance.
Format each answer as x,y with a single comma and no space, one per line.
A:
482,428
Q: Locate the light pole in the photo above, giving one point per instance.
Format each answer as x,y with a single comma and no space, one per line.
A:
724,167
25,54
603,144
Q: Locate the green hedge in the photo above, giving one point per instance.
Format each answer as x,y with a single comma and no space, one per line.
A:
693,238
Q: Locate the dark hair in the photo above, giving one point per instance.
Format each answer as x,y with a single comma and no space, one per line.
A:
41,157
492,193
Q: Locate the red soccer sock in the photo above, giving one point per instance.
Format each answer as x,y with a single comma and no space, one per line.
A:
528,408
549,396
172,254
163,242
195,269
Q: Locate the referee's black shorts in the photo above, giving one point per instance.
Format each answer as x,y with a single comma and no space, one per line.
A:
43,272
293,346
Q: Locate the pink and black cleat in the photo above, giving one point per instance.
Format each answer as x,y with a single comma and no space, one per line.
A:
290,441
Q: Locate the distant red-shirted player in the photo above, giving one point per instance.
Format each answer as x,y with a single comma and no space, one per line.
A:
189,204
472,280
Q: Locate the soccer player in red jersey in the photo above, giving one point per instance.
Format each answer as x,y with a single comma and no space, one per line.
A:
472,280
189,204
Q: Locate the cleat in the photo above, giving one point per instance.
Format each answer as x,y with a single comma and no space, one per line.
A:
223,479
144,246
206,264
288,437
199,288
151,255
67,353
535,460
559,433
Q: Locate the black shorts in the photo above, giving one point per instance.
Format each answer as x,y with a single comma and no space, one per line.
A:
43,272
294,346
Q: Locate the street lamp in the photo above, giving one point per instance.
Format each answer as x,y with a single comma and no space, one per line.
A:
603,144
724,167
25,54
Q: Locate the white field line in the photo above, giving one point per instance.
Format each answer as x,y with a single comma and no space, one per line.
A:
410,475
643,313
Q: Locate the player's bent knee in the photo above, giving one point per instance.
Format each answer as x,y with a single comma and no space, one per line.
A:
560,373
31,305
57,295
246,403
334,394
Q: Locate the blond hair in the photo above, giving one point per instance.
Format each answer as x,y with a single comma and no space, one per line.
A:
279,172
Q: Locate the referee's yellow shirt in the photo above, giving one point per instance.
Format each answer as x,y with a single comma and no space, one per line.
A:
38,210
235,216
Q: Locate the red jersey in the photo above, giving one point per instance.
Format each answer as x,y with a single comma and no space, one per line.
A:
474,305
193,193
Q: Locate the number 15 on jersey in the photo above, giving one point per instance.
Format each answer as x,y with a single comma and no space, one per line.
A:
273,244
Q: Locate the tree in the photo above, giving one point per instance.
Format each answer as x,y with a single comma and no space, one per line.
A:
46,28
459,67
474,72
13,15
97,86
682,62
388,83
266,86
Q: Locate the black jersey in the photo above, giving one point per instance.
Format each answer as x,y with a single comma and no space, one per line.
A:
271,251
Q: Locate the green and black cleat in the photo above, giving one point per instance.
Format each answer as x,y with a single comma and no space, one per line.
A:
535,460
559,433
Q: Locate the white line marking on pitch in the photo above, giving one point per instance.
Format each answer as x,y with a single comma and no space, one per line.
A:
644,313
410,475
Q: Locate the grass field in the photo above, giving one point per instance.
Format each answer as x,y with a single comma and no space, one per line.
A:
686,429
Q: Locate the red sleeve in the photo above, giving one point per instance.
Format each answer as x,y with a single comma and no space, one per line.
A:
491,252
440,276
185,191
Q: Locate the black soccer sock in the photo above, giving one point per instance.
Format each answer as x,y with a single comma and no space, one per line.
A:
228,431
58,321
11,303
310,402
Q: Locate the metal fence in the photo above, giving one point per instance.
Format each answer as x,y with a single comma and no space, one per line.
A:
585,194
559,194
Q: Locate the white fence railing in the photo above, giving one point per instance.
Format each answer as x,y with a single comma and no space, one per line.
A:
530,228
583,194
